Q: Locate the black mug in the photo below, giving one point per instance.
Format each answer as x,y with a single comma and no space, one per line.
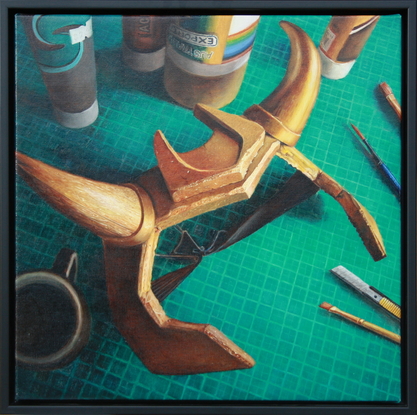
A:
53,322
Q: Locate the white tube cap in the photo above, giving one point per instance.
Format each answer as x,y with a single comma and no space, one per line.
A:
143,62
77,119
334,70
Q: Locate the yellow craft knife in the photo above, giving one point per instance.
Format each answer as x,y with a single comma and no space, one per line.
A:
366,290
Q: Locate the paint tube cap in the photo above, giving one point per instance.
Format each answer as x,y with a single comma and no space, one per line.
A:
334,70
143,61
77,119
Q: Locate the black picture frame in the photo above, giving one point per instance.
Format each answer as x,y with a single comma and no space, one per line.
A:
407,9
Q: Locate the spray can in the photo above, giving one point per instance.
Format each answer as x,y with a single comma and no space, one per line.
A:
207,57
64,51
144,40
342,42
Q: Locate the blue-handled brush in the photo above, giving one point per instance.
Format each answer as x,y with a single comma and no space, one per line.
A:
382,168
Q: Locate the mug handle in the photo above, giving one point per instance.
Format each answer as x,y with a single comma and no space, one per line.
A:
66,264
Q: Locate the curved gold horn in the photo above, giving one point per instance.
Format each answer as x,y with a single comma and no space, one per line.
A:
115,213
285,111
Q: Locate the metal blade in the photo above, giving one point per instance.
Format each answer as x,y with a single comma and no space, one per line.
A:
355,282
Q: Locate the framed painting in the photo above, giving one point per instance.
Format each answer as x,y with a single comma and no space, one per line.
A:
208,206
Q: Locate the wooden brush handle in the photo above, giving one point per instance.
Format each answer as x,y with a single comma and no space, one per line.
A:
381,331
386,90
395,105
370,326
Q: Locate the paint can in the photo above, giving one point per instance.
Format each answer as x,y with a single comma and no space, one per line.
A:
64,51
206,58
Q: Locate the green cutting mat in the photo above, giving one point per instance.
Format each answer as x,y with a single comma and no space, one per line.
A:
263,292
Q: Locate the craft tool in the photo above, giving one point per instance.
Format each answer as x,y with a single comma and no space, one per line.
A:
366,290
361,322
388,94
382,168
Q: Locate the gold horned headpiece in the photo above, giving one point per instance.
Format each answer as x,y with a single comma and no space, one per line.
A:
130,217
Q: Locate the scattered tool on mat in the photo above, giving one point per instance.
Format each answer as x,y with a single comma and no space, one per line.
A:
361,322
380,165
366,290
388,94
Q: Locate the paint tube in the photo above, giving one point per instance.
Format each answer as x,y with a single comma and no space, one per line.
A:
64,51
342,43
144,40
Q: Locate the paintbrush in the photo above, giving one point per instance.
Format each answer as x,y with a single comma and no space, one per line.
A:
380,165
361,322
388,94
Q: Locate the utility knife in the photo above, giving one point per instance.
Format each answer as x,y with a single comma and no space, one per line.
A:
366,290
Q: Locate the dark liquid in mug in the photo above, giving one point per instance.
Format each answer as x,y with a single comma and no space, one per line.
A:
45,320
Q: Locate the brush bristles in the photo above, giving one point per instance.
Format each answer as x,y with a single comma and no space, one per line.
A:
386,90
361,136
326,306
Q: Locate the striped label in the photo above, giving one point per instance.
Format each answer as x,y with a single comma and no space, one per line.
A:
212,40
241,36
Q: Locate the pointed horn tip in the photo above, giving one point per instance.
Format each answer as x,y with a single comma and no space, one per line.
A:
285,23
23,160
288,26
20,157
34,167
292,29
